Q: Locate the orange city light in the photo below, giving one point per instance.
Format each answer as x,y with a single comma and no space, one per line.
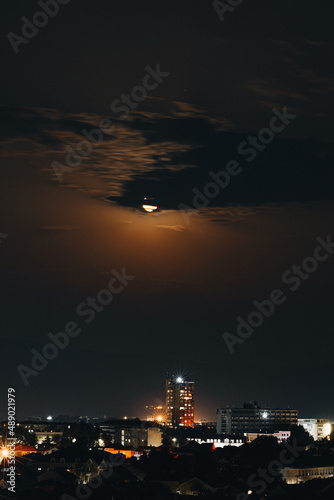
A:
4,452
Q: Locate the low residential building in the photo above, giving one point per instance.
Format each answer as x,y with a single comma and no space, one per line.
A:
194,487
318,428
138,437
281,436
296,475
218,442
51,477
132,433
44,436
83,463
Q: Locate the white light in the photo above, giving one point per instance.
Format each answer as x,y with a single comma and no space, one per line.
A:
149,208
265,414
179,380
49,417
327,429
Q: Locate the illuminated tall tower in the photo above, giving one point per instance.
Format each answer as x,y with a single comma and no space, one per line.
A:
179,402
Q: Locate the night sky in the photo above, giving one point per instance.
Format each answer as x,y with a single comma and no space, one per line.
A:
195,273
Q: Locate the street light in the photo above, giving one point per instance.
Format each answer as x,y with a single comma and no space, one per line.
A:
4,452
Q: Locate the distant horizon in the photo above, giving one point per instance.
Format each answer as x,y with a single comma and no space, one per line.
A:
133,417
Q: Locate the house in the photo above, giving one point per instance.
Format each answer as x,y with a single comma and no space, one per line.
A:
194,487
3,485
56,477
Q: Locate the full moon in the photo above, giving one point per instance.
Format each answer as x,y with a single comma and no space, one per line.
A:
149,208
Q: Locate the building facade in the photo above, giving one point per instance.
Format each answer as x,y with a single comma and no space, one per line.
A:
317,428
253,418
132,433
179,402
281,436
297,475
139,437
218,442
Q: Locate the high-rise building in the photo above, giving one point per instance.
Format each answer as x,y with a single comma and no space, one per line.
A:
253,418
179,402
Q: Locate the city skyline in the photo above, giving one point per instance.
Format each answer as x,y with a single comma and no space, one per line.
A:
167,204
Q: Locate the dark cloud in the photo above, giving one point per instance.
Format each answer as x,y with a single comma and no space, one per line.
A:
167,157
41,125
286,171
